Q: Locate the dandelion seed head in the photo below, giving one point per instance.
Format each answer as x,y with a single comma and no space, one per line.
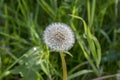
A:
59,37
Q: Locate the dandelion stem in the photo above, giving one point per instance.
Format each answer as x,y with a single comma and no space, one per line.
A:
63,66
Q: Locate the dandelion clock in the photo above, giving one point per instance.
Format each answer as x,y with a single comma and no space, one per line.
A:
59,37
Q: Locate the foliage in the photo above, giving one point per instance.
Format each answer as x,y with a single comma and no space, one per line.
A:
24,56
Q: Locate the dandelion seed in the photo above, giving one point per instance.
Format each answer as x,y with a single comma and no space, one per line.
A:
59,37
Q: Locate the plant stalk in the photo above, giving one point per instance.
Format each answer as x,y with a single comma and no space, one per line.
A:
63,66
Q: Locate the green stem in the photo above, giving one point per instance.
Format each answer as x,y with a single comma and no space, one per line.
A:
115,21
63,66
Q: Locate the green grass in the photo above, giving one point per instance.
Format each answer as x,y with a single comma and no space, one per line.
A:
95,54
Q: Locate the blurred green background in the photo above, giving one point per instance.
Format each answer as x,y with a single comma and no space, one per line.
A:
96,53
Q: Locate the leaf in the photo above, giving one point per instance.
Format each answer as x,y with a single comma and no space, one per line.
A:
26,73
47,8
29,65
79,73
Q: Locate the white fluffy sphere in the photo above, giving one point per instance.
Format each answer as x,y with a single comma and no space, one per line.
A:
59,37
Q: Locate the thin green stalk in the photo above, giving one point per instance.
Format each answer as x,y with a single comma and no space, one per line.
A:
77,67
115,21
88,10
93,12
63,66
6,23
